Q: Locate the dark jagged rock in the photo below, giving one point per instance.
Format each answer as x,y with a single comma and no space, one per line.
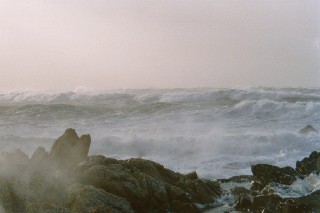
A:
92,161
307,130
178,206
191,176
98,183
256,186
199,190
240,191
142,190
309,203
118,180
175,193
244,198
85,198
102,160
243,202
239,179
69,150
154,169
148,185
157,195
266,203
309,165
267,173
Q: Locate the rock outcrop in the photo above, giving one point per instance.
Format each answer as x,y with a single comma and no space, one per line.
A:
148,185
69,150
268,173
307,130
86,198
67,180
309,165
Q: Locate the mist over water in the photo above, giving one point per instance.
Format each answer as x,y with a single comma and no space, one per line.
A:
217,132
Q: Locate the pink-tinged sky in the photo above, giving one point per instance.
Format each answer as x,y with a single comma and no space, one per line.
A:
111,44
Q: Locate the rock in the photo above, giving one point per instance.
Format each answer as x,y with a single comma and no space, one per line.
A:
45,208
141,190
307,130
40,155
9,198
240,191
16,157
200,191
157,194
154,170
178,206
309,165
291,207
267,173
41,161
309,202
42,187
243,202
191,176
148,185
239,179
85,198
256,186
175,193
92,161
14,164
102,160
195,195
266,203
69,150
118,180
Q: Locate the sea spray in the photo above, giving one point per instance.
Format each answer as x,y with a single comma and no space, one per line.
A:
218,132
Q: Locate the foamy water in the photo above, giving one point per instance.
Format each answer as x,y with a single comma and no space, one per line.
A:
218,133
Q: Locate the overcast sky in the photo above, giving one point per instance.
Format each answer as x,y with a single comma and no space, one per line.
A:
101,44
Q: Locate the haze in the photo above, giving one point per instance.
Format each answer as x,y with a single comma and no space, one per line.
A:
64,44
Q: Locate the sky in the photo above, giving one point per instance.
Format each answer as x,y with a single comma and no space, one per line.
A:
115,44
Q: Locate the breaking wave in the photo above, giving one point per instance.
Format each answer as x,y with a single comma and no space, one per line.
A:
213,131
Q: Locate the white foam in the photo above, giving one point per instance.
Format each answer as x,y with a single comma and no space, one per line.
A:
298,188
218,133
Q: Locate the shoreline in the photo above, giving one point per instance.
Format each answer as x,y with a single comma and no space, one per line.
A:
65,179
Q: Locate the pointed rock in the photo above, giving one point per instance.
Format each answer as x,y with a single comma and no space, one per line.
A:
268,173
307,130
16,157
69,150
40,154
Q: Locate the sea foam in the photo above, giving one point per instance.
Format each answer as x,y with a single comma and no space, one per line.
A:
217,132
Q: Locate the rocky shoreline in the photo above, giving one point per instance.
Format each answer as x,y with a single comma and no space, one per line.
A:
65,179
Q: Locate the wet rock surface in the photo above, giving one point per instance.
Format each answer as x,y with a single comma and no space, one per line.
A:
70,149
67,180
269,173
309,164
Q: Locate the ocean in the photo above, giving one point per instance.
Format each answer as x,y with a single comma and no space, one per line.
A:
218,133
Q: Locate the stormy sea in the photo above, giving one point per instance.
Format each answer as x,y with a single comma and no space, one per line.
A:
218,133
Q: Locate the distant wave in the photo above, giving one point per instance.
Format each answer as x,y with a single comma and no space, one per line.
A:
213,131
